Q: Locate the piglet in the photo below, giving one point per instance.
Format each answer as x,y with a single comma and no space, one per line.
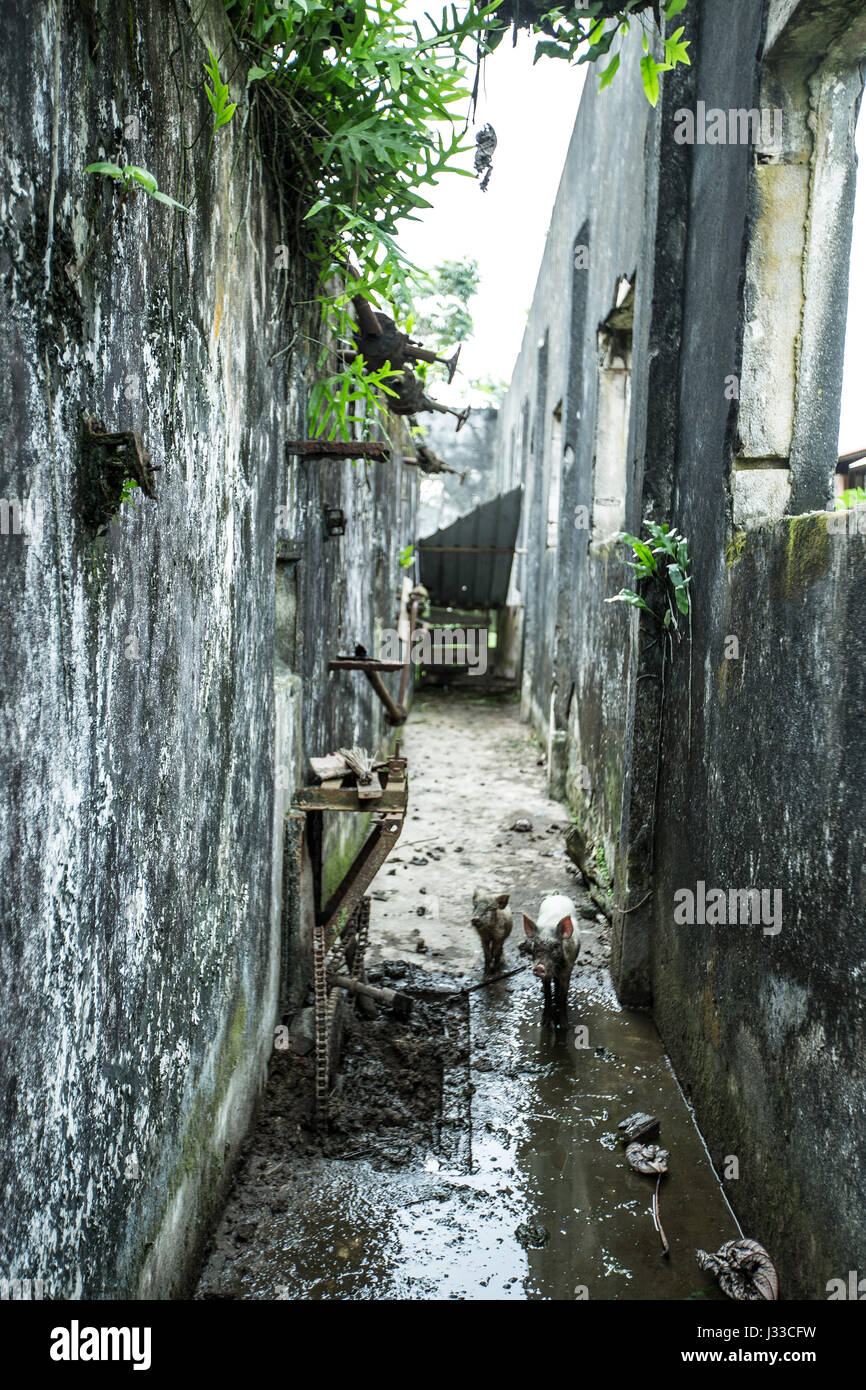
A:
553,943
493,924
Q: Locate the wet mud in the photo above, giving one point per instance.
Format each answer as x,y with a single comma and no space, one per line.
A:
472,1152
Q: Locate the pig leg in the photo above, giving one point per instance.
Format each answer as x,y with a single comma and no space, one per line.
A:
488,952
547,1012
560,995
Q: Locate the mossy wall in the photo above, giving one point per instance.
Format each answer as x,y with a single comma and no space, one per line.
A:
146,777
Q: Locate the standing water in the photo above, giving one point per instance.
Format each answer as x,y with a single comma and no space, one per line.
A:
473,1153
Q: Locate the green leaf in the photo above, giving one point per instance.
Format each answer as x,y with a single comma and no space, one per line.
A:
171,202
609,73
104,166
547,49
142,176
650,74
634,600
675,7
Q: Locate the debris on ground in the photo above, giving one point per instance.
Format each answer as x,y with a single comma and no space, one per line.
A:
744,1270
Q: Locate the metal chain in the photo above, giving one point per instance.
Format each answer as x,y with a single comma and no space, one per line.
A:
362,931
325,1000
322,1021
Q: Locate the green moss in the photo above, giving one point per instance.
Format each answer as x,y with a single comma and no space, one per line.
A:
734,548
199,1161
807,553
339,851
723,681
197,1154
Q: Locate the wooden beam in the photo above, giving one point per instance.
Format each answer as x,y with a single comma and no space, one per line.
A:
346,799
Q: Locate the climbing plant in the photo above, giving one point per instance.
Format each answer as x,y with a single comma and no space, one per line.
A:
366,108
596,32
131,177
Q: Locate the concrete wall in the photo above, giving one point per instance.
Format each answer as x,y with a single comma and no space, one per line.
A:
573,676
147,717
749,771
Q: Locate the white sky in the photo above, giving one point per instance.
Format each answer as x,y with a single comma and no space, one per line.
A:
532,110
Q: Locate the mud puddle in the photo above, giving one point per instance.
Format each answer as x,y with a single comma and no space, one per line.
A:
472,1153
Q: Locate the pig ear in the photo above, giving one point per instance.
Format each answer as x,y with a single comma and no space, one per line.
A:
502,900
566,927
529,926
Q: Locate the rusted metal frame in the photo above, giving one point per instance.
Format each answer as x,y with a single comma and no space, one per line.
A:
348,899
344,799
138,466
322,1022
394,713
365,866
339,449
356,663
371,668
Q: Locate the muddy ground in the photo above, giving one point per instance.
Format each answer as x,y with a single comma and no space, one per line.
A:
471,1153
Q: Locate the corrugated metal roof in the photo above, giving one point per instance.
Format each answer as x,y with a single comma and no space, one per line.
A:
468,564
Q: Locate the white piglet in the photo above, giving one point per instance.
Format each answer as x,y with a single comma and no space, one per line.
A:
554,943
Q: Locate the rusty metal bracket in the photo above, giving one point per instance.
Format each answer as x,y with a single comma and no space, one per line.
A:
395,712
390,809
347,900
338,449
108,458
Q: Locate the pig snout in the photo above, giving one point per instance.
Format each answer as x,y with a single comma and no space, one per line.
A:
540,970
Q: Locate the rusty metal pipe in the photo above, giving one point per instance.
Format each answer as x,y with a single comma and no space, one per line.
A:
400,1003
396,714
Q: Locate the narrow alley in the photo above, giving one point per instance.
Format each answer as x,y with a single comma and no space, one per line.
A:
473,1153
432,672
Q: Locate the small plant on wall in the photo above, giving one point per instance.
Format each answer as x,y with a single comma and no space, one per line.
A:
131,177
662,564
664,560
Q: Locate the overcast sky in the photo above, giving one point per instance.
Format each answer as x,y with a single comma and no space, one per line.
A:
533,110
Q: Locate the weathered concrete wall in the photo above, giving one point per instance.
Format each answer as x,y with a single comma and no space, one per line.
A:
573,673
140,834
767,1027
763,787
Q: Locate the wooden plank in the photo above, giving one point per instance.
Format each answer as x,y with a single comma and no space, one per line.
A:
393,798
